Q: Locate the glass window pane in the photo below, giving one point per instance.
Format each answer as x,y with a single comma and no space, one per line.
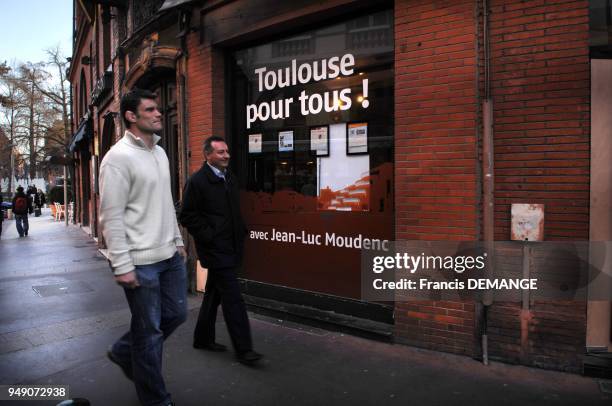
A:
334,182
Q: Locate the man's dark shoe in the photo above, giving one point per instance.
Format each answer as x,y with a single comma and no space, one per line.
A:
248,357
127,370
216,347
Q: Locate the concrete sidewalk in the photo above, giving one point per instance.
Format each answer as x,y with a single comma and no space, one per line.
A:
61,310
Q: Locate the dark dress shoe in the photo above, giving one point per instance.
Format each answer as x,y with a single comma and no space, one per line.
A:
248,357
210,347
127,370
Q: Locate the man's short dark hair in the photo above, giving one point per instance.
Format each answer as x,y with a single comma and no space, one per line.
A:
208,142
131,100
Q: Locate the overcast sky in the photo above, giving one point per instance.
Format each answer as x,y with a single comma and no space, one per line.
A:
28,27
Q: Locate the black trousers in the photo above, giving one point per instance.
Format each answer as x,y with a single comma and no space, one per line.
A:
222,288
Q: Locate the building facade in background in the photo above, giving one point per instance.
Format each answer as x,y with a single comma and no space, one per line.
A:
353,124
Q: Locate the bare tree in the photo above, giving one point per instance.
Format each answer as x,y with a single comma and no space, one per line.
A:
11,114
35,110
30,130
59,93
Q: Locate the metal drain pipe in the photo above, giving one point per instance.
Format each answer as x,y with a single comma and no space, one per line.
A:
488,180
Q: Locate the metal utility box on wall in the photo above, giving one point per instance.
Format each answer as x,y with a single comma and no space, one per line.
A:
527,222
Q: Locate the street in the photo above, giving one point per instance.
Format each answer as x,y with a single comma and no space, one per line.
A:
62,309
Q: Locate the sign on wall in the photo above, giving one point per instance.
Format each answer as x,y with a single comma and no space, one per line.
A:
527,222
306,103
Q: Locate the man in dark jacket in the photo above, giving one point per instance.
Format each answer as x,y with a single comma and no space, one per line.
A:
211,213
22,205
39,201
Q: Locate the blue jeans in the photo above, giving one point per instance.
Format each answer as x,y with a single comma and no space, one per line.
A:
19,219
158,306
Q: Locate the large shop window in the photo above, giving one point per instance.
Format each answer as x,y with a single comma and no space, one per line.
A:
312,126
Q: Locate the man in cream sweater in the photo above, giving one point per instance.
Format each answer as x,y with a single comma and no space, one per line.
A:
145,247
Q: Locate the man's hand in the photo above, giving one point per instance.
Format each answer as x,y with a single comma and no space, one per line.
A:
182,253
127,280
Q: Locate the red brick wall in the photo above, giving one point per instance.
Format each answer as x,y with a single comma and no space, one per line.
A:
541,89
551,334
436,113
540,73
75,82
205,95
436,153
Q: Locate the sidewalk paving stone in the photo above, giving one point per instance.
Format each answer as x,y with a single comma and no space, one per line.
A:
62,339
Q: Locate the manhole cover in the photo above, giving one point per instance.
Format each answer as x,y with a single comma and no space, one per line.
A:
605,386
61,289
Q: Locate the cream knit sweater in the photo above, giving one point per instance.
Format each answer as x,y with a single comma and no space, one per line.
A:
137,216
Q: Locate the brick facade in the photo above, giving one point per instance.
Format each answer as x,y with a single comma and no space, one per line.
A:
540,91
81,74
436,153
540,83
205,92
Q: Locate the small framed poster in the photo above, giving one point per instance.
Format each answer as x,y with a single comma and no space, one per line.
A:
357,138
319,140
255,143
285,141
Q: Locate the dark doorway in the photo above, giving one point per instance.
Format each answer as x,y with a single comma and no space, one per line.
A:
163,83
108,134
85,182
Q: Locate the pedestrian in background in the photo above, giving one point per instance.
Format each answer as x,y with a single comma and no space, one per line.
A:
39,202
211,213
1,214
22,206
145,247
31,192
